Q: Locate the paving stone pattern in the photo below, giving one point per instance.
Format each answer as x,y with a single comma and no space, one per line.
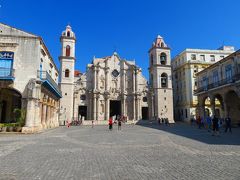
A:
146,151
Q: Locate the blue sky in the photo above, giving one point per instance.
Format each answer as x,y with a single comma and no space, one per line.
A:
129,26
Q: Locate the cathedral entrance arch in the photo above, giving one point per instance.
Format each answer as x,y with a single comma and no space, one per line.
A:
115,108
82,112
145,113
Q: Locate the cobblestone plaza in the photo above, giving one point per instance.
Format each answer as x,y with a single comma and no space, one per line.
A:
138,152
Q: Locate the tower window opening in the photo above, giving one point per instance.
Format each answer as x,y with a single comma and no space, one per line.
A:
67,73
163,58
162,44
68,50
164,82
68,34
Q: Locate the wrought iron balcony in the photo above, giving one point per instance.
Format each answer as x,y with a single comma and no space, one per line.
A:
7,73
49,83
218,84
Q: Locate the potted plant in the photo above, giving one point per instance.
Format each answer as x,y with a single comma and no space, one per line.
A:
20,115
1,125
4,128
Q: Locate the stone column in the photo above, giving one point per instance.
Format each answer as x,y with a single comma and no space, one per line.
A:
123,79
37,119
139,108
107,107
106,76
97,107
90,108
123,105
30,115
95,77
133,78
225,106
94,106
48,117
136,80
134,107
153,108
212,101
44,113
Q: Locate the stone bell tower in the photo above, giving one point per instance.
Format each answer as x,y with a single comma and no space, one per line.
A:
161,93
67,68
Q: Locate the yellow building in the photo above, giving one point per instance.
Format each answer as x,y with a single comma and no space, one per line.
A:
220,83
184,67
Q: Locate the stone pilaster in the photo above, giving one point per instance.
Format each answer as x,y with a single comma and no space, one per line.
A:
44,113
94,107
124,105
107,107
97,107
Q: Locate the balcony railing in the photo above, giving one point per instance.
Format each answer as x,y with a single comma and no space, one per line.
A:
6,73
218,84
46,78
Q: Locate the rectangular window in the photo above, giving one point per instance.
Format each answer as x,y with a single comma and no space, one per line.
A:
205,83
186,115
215,78
212,58
6,63
228,73
202,57
193,56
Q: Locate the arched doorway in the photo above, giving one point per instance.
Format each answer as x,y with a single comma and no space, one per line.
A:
207,107
233,106
10,99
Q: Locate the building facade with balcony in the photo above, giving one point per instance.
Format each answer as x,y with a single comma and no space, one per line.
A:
184,69
220,82
28,80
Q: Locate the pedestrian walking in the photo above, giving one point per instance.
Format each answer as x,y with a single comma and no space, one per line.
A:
215,126
228,124
119,123
68,123
92,123
209,123
110,123
199,122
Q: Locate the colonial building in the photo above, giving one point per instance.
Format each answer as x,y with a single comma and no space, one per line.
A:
220,82
112,86
28,80
184,67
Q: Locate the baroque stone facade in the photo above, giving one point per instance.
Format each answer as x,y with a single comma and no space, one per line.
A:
111,86
114,86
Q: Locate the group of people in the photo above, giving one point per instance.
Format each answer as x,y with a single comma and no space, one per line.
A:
119,120
163,121
213,124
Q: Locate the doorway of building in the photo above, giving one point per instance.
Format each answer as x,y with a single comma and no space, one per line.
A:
10,99
115,108
82,112
145,113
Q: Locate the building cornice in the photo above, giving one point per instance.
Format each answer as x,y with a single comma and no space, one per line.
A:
66,57
164,48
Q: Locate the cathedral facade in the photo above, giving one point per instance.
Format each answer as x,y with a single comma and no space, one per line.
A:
113,86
